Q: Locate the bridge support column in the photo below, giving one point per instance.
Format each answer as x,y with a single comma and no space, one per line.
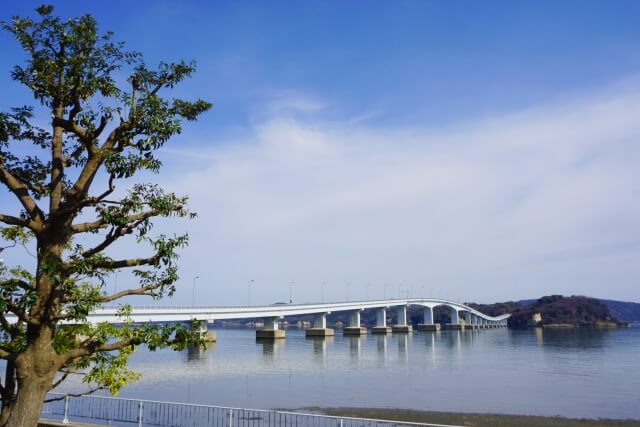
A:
354,327
401,325
270,329
466,323
319,327
201,327
474,321
455,320
428,324
381,322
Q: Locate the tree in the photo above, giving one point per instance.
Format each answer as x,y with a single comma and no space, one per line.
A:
104,129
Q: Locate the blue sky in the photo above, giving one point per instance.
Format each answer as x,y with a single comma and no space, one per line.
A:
475,150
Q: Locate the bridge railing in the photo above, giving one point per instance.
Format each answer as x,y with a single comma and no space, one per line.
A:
148,413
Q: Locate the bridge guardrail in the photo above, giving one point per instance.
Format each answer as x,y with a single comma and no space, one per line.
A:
148,413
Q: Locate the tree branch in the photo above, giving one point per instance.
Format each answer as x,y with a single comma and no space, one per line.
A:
94,161
20,314
135,291
63,377
101,223
93,347
17,282
12,220
21,191
125,263
5,323
4,354
64,396
72,127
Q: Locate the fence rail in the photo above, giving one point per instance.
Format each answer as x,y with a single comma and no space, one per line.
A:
149,413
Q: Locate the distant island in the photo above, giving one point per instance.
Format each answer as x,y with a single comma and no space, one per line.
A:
557,311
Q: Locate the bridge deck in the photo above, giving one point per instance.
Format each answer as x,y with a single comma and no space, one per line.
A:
211,313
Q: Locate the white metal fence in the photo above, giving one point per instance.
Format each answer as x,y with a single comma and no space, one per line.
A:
147,413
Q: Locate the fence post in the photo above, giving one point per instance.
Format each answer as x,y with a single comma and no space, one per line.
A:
139,414
340,422
65,420
230,420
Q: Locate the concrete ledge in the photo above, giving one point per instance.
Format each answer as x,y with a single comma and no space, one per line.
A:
402,328
269,334
454,327
354,331
380,330
429,327
318,332
53,423
470,326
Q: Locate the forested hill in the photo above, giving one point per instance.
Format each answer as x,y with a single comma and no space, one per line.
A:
557,309
624,311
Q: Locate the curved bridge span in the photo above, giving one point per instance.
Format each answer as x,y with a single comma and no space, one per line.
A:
462,316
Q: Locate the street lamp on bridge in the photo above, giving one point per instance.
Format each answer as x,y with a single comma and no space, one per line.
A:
250,283
291,292
193,297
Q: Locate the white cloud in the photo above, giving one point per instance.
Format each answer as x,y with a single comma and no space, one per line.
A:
545,200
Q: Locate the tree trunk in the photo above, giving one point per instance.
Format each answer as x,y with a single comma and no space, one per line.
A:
35,369
6,411
28,403
8,394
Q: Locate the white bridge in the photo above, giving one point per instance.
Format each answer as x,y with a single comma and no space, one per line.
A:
462,316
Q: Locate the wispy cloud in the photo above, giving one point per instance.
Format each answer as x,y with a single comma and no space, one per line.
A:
544,200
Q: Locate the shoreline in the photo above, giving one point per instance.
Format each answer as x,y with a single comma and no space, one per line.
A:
472,419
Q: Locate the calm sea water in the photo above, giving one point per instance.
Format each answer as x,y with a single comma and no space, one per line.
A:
574,373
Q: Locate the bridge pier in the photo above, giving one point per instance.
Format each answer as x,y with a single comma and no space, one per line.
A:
468,322
474,321
201,328
465,322
354,328
381,322
319,327
402,325
455,321
270,330
428,324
